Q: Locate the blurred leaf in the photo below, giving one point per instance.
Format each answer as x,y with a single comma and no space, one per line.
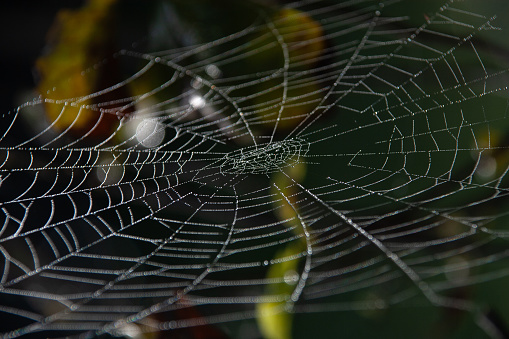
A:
273,317
78,39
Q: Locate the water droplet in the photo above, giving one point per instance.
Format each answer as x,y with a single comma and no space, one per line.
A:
197,101
213,71
150,133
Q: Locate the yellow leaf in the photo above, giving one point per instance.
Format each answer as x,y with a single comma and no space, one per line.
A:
273,318
300,41
78,40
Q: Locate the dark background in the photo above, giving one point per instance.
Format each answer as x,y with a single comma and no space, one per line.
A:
23,29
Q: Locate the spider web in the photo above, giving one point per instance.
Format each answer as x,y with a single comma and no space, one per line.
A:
197,198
